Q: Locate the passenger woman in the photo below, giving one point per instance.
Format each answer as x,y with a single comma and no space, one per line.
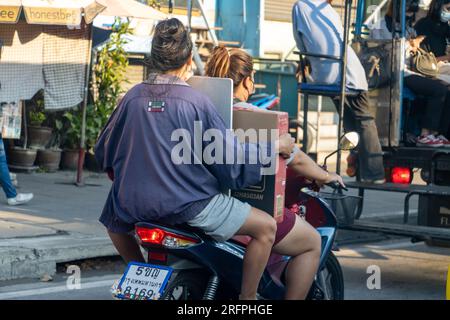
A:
296,238
436,29
436,121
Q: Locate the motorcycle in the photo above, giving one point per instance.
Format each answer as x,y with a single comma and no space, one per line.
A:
185,264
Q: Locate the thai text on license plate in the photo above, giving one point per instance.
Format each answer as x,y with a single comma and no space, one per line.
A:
143,282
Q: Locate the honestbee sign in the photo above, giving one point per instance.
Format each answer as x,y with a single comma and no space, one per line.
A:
54,16
9,14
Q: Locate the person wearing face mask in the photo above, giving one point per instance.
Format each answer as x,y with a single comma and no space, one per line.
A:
436,29
295,237
436,120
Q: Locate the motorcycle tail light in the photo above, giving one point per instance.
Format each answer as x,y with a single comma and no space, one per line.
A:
401,175
163,238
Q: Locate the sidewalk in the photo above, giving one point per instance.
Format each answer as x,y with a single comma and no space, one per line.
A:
59,225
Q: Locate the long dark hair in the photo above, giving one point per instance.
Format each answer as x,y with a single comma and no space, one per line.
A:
171,46
434,13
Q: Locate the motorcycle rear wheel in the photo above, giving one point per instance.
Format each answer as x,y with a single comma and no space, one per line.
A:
333,282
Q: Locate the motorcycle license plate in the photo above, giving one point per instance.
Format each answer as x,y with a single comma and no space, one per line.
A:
143,282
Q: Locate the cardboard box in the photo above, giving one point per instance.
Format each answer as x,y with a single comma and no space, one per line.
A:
269,194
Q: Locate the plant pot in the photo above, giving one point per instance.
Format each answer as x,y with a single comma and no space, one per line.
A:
69,159
20,157
49,159
39,137
91,163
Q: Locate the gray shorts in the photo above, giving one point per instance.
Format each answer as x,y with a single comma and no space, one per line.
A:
222,218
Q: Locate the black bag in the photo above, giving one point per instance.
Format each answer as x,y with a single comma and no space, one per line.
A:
377,64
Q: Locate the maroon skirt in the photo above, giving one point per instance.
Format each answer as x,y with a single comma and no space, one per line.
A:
284,227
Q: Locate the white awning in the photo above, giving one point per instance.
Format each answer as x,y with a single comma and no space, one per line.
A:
131,9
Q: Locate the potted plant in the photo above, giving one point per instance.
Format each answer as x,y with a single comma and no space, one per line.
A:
21,158
71,149
109,74
49,159
38,135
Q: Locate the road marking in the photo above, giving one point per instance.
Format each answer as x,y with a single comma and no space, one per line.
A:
55,289
387,214
371,248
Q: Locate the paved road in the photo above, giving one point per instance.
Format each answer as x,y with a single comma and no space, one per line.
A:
408,271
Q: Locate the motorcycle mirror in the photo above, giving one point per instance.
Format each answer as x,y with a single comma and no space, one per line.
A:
349,141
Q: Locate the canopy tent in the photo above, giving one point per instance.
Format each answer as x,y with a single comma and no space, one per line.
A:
53,37
130,9
46,24
71,13
53,12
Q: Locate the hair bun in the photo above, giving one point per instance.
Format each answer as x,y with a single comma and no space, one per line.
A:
171,46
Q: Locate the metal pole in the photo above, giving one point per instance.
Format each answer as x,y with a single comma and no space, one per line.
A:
197,59
82,151
25,125
319,111
305,123
189,6
211,31
347,16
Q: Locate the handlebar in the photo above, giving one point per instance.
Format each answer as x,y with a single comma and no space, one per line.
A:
336,186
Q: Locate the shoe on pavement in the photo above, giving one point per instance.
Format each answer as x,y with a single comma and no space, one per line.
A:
21,198
444,140
429,141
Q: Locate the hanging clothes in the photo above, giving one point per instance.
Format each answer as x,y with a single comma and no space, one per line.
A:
65,57
20,61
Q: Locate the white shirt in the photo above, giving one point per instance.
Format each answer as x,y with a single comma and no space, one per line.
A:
318,29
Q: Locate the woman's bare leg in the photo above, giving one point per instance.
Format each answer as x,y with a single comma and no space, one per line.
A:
262,229
303,244
127,247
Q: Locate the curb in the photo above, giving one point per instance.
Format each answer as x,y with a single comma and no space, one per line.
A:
34,257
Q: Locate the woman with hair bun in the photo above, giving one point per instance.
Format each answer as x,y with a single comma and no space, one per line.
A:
296,237
137,148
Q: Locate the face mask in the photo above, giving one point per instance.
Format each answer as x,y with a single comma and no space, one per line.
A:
445,16
254,89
